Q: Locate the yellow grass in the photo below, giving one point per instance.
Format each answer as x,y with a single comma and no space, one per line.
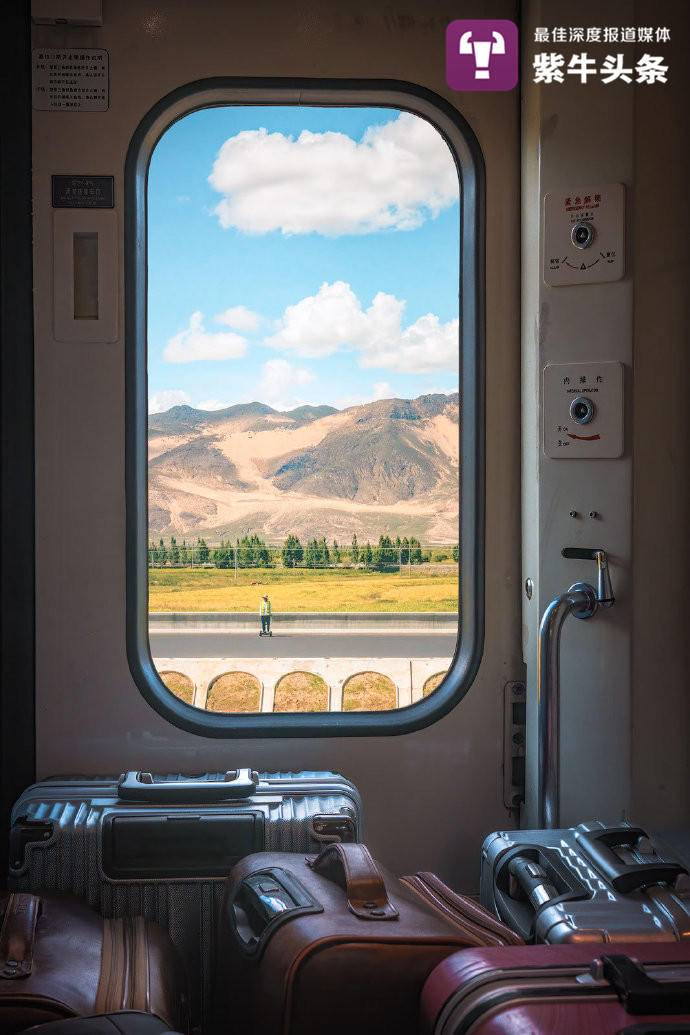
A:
301,692
179,685
369,692
234,692
426,588
433,683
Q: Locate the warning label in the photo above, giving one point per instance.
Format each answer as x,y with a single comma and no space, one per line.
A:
74,79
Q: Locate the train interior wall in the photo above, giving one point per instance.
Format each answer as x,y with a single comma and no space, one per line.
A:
432,795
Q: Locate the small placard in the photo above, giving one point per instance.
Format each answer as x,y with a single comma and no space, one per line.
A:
70,79
584,235
83,191
583,410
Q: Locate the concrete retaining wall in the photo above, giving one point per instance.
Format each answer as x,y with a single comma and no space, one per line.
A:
408,675
308,621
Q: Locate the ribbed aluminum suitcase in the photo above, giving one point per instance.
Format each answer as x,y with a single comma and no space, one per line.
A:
590,883
161,846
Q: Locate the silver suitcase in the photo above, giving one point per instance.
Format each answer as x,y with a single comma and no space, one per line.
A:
590,883
161,846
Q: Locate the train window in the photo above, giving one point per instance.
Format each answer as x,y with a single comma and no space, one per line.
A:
303,307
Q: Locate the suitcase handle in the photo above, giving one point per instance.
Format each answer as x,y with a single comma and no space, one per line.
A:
353,869
599,846
141,786
514,904
18,935
263,901
641,994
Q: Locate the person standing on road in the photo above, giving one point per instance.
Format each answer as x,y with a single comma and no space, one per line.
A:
265,615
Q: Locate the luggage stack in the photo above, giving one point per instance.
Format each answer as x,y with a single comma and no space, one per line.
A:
261,882
162,846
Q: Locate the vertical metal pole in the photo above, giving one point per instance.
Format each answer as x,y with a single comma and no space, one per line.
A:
548,708
580,600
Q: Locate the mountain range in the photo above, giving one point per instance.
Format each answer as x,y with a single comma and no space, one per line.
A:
385,467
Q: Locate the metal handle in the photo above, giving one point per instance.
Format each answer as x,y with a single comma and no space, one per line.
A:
605,597
582,601
599,845
137,786
534,881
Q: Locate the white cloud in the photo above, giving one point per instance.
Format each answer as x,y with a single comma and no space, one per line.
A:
423,347
163,400
183,199
239,318
280,383
214,404
382,390
333,319
196,343
320,324
397,176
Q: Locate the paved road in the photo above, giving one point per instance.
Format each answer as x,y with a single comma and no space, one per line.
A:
202,644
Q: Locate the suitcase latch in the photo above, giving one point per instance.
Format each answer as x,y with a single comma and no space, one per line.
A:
638,991
330,829
24,832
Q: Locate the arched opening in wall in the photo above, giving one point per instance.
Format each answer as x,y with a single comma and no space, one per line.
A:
433,683
369,692
301,692
179,684
234,692
300,347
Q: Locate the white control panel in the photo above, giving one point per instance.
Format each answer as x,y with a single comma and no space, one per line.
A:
582,407
584,235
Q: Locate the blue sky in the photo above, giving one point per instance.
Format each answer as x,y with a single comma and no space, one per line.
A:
301,255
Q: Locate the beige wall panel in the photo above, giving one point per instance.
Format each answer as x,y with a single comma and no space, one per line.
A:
661,516
91,717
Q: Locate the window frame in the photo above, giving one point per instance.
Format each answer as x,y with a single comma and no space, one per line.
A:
401,96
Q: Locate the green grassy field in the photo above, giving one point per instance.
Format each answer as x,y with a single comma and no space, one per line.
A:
432,587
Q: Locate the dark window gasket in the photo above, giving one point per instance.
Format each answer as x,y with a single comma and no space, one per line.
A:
468,158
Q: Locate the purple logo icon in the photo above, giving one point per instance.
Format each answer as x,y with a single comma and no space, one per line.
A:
482,54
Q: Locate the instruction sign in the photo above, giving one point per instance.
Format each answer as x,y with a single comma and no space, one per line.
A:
70,79
583,410
83,191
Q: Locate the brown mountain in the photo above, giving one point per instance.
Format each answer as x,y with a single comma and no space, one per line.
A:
383,467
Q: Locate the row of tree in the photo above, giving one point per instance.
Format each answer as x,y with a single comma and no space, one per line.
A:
178,555
253,552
